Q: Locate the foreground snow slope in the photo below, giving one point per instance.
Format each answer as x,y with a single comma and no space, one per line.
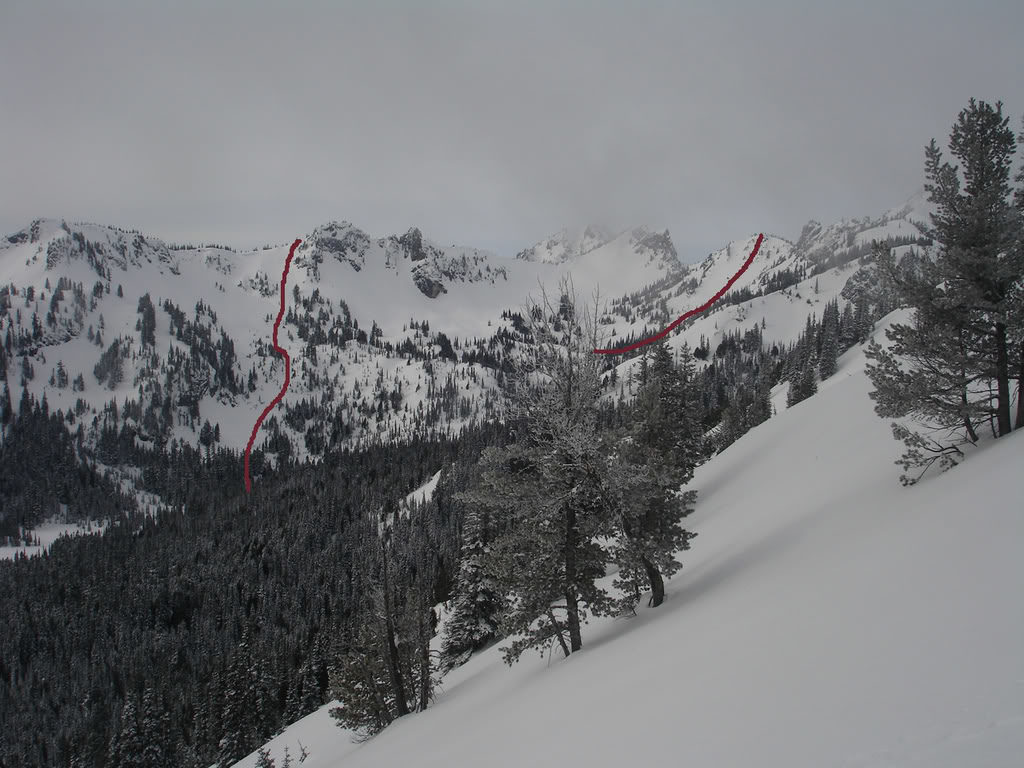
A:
826,616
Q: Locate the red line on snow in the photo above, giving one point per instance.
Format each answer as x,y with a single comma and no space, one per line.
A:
702,308
636,345
287,368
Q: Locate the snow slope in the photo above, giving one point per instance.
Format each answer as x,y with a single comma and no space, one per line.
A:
826,616
45,535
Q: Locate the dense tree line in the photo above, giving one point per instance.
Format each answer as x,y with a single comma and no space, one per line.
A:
207,627
44,475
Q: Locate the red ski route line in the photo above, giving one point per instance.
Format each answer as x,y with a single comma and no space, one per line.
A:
287,369
702,308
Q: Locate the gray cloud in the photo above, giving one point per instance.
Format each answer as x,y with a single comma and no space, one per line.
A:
484,123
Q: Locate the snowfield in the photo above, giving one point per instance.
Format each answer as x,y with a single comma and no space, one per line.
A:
826,616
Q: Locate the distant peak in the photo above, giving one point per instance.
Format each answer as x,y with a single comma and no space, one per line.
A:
333,229
412,242
567,245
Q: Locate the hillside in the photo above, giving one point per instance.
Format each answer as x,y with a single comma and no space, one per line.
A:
825,616
378,329
145,348
392,326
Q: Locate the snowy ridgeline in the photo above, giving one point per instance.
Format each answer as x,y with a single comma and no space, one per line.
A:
825,616
373,321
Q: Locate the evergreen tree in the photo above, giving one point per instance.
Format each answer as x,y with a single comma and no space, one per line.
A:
127,744
804,382
360,681
547,487
965,311
829,353
386,670
647,474
238,734
110,368
6,411
478,602
1016,302
27,371
549,559
147,323
979,234
154,729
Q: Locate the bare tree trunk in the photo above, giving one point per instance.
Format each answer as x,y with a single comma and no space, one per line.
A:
1002,381
1020,390
970,429
424,639
572,609
657,582
964,403
967,414
394,669
558,632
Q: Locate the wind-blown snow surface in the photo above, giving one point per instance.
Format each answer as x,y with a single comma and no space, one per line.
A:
826,616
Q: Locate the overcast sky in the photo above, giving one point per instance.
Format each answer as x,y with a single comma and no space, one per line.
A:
487,124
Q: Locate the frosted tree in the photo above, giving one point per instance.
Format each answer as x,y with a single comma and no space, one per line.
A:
478,602
238,731
154,726
646,474
127,744
829,335
804,382
6,410
1016,302
545,485
360,681
146,324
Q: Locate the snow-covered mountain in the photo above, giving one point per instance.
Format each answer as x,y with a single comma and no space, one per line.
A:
388,336
567,245
818,621
825,616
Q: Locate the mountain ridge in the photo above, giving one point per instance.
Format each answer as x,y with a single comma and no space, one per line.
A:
389,336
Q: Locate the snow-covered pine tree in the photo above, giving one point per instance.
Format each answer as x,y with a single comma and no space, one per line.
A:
238,731
804,382
646,474
829,334
549,559
154,728
979,235
359,680
126,744
965,312
544,484
1015,300
6,410
478,602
